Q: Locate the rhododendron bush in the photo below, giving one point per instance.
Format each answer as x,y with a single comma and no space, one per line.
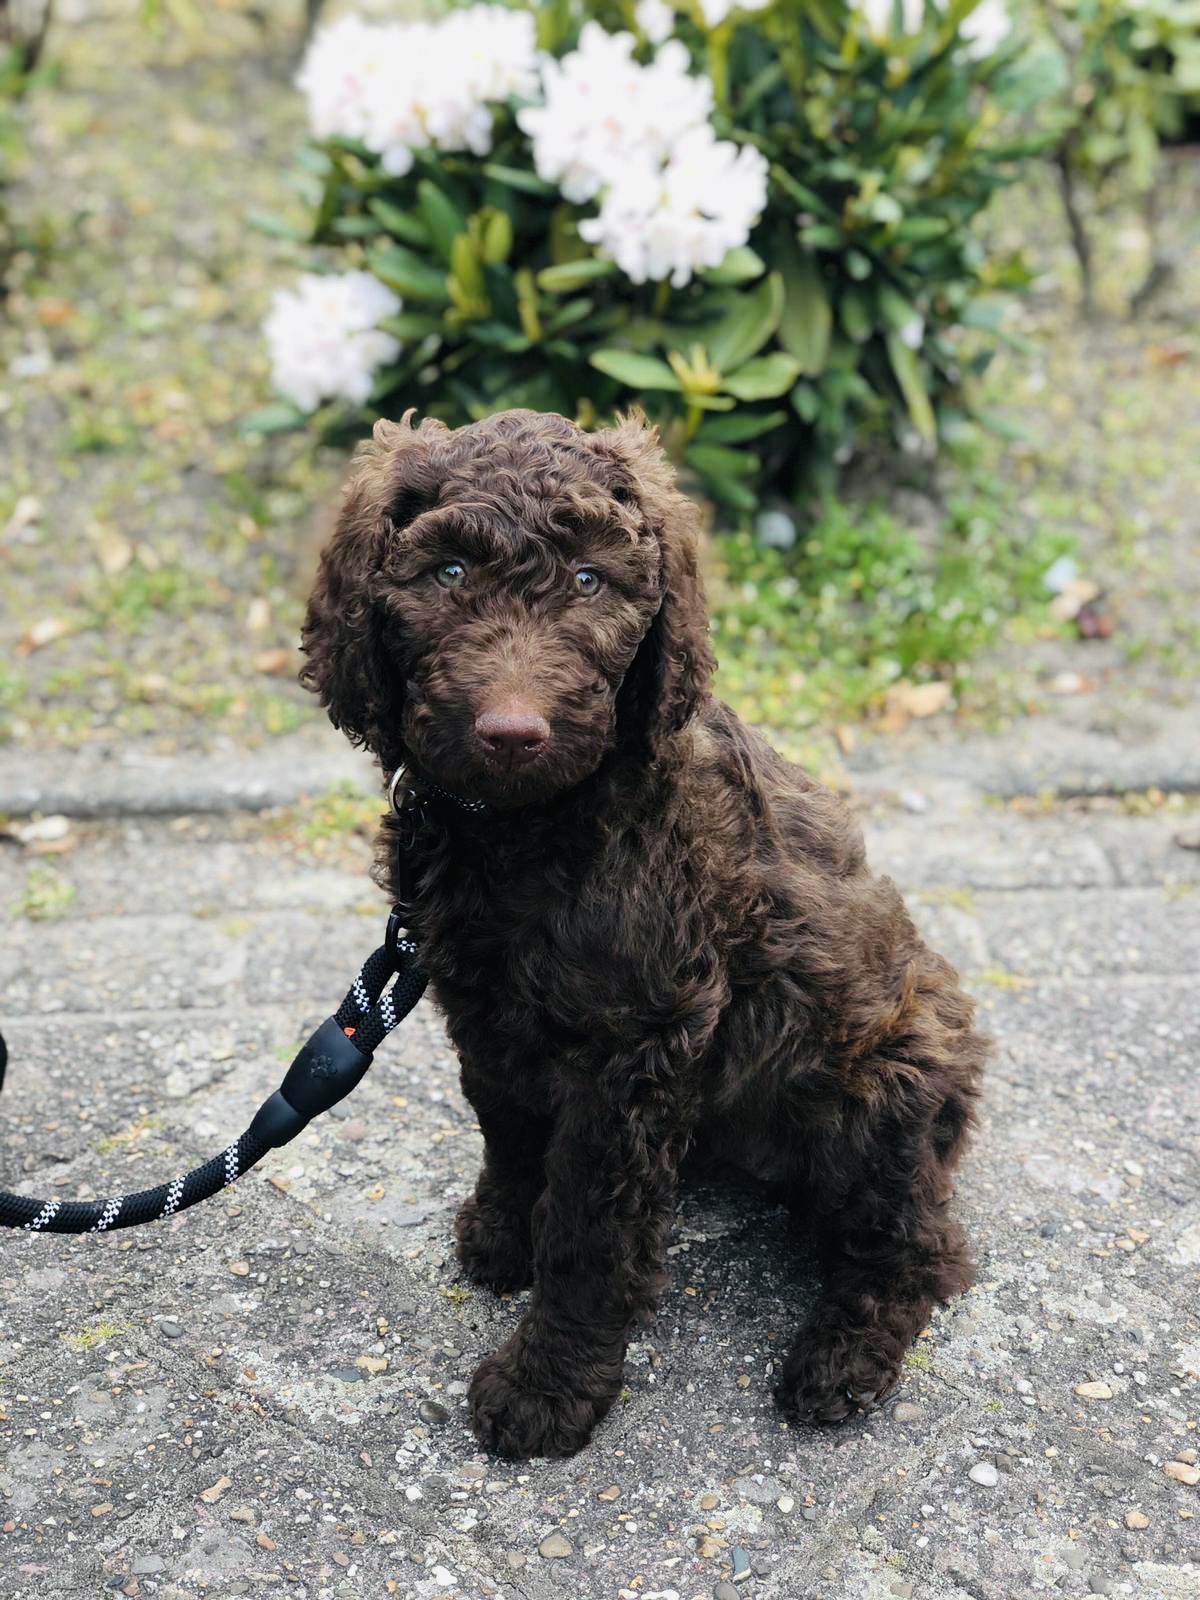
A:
754,220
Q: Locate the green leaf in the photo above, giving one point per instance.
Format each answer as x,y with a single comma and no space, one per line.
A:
820,236
497,336
920,230
406,272
411,325
857,314
400,224
443,220
497,236
741,265
278,227
717,461
749,323
765,378
807,323
634,370
739,427
568,275
354,227
279,417
517,178
898,312
806,402
908,376
568,315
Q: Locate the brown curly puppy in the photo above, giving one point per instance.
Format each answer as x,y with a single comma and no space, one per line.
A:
655,935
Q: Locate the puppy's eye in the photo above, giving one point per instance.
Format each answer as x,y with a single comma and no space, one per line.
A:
587,582
451,574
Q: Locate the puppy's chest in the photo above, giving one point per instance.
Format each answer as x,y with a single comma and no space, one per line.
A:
527,959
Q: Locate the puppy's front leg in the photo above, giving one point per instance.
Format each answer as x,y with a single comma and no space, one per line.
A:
599,1237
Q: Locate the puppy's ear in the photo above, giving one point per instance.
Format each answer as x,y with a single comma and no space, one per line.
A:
391,481
669,677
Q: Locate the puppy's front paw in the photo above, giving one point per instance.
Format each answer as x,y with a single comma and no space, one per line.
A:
494,1248
515,1419
835,1373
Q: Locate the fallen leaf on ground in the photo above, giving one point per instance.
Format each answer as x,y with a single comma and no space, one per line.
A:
372,1364
272,661
918,700
1068,683
1072,596
42,633
113,550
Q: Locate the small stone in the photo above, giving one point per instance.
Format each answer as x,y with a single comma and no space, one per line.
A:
555,1548
709,1502
902,1590
908,1411
743,1381
170,1329
240,1269
1136,1519
610,1494
147,1566
1094,1391
786,1504
708,1546
355,1130
1099,1585
725,1591
916,802
348,1374
741,1564
430,1411
265,1542
102,1511
1182,1472
373,1365
1189,1457
213,1493
246,1514
984,1473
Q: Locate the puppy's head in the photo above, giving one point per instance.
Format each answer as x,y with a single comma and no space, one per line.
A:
504,604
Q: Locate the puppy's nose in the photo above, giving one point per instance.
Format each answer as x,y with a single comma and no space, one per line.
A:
513,733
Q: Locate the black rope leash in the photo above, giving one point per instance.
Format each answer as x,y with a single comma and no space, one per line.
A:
327,1068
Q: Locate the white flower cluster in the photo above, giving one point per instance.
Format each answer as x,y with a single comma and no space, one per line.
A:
323,338
405,86
673,198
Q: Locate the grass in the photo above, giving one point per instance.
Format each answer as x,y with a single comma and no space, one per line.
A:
97,1333
821,632
47,895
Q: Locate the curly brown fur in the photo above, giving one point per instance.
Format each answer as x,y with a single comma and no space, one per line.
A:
660,937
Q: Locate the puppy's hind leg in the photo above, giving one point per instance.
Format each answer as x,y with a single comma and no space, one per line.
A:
889,1253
